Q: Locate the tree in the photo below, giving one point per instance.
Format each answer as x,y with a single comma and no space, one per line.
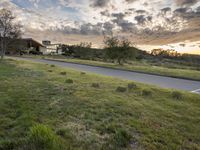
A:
119,50
9,29
161,53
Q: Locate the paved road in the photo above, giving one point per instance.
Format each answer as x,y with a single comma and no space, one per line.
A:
165,82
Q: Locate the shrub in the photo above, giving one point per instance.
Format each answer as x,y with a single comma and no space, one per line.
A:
95,85
121,89
63,73
132,86
50,70
83,73
43,138
52,65
177,95
146,93
122,138
69,81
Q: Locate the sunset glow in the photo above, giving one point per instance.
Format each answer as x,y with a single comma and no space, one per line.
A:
167,24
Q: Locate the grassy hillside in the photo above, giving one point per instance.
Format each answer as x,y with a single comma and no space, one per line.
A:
47,107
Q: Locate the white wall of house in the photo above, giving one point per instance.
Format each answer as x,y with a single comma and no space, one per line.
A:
51,49
43,50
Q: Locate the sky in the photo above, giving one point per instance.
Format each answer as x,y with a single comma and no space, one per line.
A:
149,24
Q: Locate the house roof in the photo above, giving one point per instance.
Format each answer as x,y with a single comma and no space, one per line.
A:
30,39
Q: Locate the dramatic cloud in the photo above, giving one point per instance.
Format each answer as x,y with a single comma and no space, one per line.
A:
99,3
165,10
141,21
130,1
186,2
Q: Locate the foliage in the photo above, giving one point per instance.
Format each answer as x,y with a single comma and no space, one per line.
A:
83,73
63,73
146,92
42,137
121,89
122,138
50,70
165,53
132,86
95,85
34,52
177,95
9,29
119,50
69,81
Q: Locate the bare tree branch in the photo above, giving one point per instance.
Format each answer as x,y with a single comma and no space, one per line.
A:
9,29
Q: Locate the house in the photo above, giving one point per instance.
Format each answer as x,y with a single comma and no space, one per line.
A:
51,48
31,46
26,45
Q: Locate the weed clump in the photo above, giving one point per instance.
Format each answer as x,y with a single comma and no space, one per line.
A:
121,89
50,70
42,137
95,85
83,73
122,138
7,145
69,81
177,95
146,93
132,86
53,66
61,132
63,73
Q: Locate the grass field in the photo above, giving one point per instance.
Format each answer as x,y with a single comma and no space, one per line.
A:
51,108
166,69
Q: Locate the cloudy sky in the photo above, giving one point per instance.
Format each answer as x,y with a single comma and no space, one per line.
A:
169,24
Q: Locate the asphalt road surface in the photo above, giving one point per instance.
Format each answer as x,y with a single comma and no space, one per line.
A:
161,81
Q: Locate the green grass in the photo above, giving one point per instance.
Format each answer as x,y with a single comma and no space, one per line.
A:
40,107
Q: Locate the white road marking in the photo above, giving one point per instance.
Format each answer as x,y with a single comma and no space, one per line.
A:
196,91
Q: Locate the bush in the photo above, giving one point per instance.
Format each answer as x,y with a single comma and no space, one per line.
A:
95,85
43,138
63,73
52,65
177,95
122,138
34,52
121,89
69,81
83,73
146,93
50,70
132,86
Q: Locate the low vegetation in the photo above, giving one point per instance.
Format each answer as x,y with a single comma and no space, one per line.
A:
121,89
38,110
69,81
42,137
95,85
177,95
